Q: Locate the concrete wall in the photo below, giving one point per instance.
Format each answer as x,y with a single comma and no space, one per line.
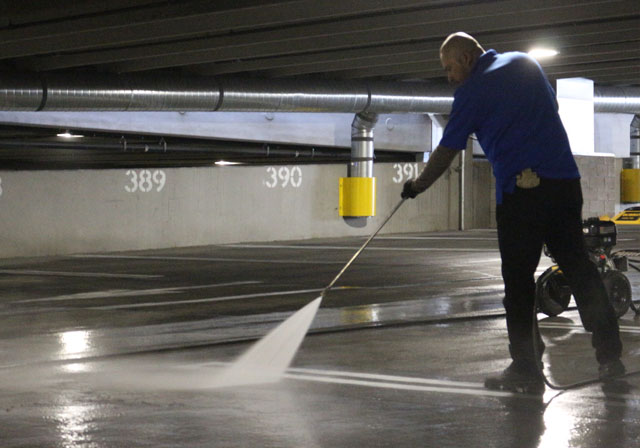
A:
600,188
600,184
612,134
64,212
484,196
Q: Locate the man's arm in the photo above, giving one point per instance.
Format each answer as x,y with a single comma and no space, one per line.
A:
438,163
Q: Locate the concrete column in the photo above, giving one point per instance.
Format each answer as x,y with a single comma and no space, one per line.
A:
575,98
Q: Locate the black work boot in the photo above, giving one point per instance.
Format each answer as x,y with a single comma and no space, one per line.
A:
611,370
521,377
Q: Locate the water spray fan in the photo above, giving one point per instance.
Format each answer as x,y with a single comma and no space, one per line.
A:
267,360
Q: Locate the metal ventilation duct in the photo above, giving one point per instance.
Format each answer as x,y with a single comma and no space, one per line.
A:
84,91
617,99
635,136
142,93
362,145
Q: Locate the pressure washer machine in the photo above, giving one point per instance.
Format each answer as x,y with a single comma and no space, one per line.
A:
553,293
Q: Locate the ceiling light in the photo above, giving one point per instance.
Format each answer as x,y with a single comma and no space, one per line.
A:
542,53
226,163
67,134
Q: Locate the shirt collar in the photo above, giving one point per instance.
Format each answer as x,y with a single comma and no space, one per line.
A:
484,60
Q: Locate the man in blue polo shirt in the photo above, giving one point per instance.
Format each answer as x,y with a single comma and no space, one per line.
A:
507,101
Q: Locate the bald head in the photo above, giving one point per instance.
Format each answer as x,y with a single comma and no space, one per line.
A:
459,43
458,54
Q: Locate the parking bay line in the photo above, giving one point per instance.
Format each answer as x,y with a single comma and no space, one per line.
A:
450,238
75,274
221,259
398,386
384,381
206,300
370,248
579,327
132,292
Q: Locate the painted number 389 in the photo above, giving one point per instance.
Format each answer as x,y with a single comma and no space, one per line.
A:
145,180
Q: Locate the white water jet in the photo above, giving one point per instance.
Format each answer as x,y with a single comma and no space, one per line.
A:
267,360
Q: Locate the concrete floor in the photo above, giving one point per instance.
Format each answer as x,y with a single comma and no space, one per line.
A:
116,350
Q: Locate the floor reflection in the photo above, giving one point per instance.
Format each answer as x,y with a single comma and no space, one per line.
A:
74,343
76,423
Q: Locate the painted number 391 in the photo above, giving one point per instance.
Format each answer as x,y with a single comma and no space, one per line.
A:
405,171
145,180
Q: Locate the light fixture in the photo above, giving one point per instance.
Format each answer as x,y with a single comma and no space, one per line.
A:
67,134
542,53
226,163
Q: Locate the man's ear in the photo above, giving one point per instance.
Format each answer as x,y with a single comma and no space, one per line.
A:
467,58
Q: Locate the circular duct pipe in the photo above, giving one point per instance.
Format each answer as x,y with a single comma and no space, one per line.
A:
104,92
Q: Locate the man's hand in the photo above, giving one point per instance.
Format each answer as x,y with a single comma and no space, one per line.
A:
438,163
409,191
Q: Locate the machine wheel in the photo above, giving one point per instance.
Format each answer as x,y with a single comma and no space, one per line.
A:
552,292
619,291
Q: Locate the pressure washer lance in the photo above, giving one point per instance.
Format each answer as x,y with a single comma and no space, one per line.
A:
535,329
366,243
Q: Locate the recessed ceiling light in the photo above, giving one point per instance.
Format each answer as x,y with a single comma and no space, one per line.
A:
68,134
542,53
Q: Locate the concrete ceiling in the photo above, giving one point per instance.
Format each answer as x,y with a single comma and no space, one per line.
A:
390,40
345,39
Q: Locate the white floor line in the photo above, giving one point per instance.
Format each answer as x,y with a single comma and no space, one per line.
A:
388,381
206,300
381,381
399,386
351,248
221,259
132,292
579,327
451,238
382,377
74,274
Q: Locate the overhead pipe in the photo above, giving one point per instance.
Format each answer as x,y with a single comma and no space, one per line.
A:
139,147
357,198
362,145
616,99
107,92
635,135
100,92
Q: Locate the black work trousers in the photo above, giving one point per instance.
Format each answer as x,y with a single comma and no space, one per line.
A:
551,213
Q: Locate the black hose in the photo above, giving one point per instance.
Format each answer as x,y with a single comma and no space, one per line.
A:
538,355
632,305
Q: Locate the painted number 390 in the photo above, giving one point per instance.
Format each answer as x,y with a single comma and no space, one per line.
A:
284,176
145,180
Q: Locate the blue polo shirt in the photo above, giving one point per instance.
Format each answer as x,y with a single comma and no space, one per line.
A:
509,104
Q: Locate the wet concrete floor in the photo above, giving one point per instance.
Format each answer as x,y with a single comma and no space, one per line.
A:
118,349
